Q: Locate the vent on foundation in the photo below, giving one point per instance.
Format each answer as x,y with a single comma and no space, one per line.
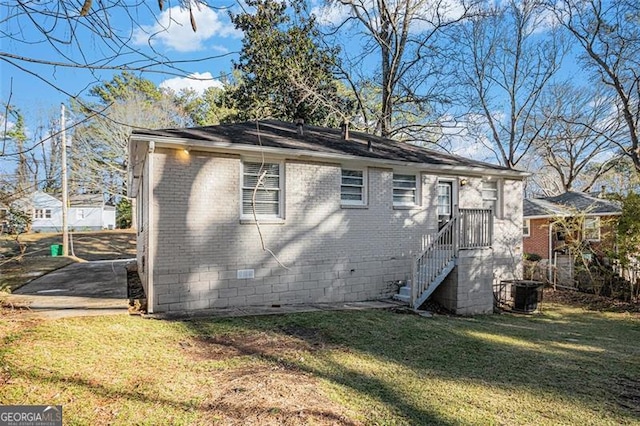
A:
246,274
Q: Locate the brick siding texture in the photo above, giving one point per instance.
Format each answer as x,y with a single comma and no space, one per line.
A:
538,240
325,252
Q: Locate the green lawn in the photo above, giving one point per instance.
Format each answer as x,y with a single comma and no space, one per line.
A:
565,366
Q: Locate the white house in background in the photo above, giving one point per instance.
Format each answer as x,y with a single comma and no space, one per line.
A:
87,212
90,212
341,217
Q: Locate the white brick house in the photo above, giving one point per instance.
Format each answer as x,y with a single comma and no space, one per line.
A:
341,220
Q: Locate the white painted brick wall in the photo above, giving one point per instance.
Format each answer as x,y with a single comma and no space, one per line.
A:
142,236
329,253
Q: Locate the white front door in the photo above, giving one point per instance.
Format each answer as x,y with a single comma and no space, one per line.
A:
445,202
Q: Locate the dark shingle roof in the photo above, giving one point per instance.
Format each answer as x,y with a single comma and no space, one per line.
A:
568,203
278,134
540,207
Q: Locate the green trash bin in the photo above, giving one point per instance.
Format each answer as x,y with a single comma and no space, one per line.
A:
56,250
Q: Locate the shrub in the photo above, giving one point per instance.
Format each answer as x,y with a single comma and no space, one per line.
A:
123,214
532,257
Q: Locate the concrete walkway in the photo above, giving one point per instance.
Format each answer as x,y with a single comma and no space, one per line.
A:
250,311
100,288
80,289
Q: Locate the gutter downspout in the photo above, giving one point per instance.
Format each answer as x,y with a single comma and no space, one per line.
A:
549,255
150,228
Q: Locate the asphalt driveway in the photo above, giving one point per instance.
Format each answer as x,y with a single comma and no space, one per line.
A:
79,289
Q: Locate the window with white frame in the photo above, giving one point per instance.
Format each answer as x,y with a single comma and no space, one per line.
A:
445,189
353,187
405,190
261,189
526,227
42,214
491,196
592,228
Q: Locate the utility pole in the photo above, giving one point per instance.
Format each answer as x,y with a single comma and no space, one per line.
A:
65,196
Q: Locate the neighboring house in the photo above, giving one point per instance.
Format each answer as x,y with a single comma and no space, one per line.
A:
90,212
46,212
590,220
342,216
87,212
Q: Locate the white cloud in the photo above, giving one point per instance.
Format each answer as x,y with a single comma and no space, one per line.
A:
196,81
5,124
333,13
173,29
424,17
461,141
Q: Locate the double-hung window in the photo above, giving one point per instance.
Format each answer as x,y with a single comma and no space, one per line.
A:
592,229
526,227
405,190
444,198
491,196
42,214
262,190
352,187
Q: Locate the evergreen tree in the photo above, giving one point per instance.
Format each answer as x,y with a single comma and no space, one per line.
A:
284,72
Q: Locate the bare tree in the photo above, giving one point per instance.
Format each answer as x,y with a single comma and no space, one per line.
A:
85,34
577,126
99,154
50,157
404,36
622,178
509,55
608,32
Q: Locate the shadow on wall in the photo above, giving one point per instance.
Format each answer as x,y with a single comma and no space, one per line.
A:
508,260
326,253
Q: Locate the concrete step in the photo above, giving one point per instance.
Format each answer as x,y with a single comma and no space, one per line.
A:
404,295
401,298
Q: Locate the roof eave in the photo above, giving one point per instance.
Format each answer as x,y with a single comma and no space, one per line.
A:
223,146
563,215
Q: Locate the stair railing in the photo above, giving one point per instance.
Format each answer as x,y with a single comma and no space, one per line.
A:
430,263
476,228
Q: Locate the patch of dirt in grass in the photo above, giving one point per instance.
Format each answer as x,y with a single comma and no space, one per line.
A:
13,320
272,395
275,393
590,301
292,339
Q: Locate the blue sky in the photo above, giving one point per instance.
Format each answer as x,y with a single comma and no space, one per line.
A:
206,54
166,33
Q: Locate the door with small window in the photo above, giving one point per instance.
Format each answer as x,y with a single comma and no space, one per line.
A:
445,202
